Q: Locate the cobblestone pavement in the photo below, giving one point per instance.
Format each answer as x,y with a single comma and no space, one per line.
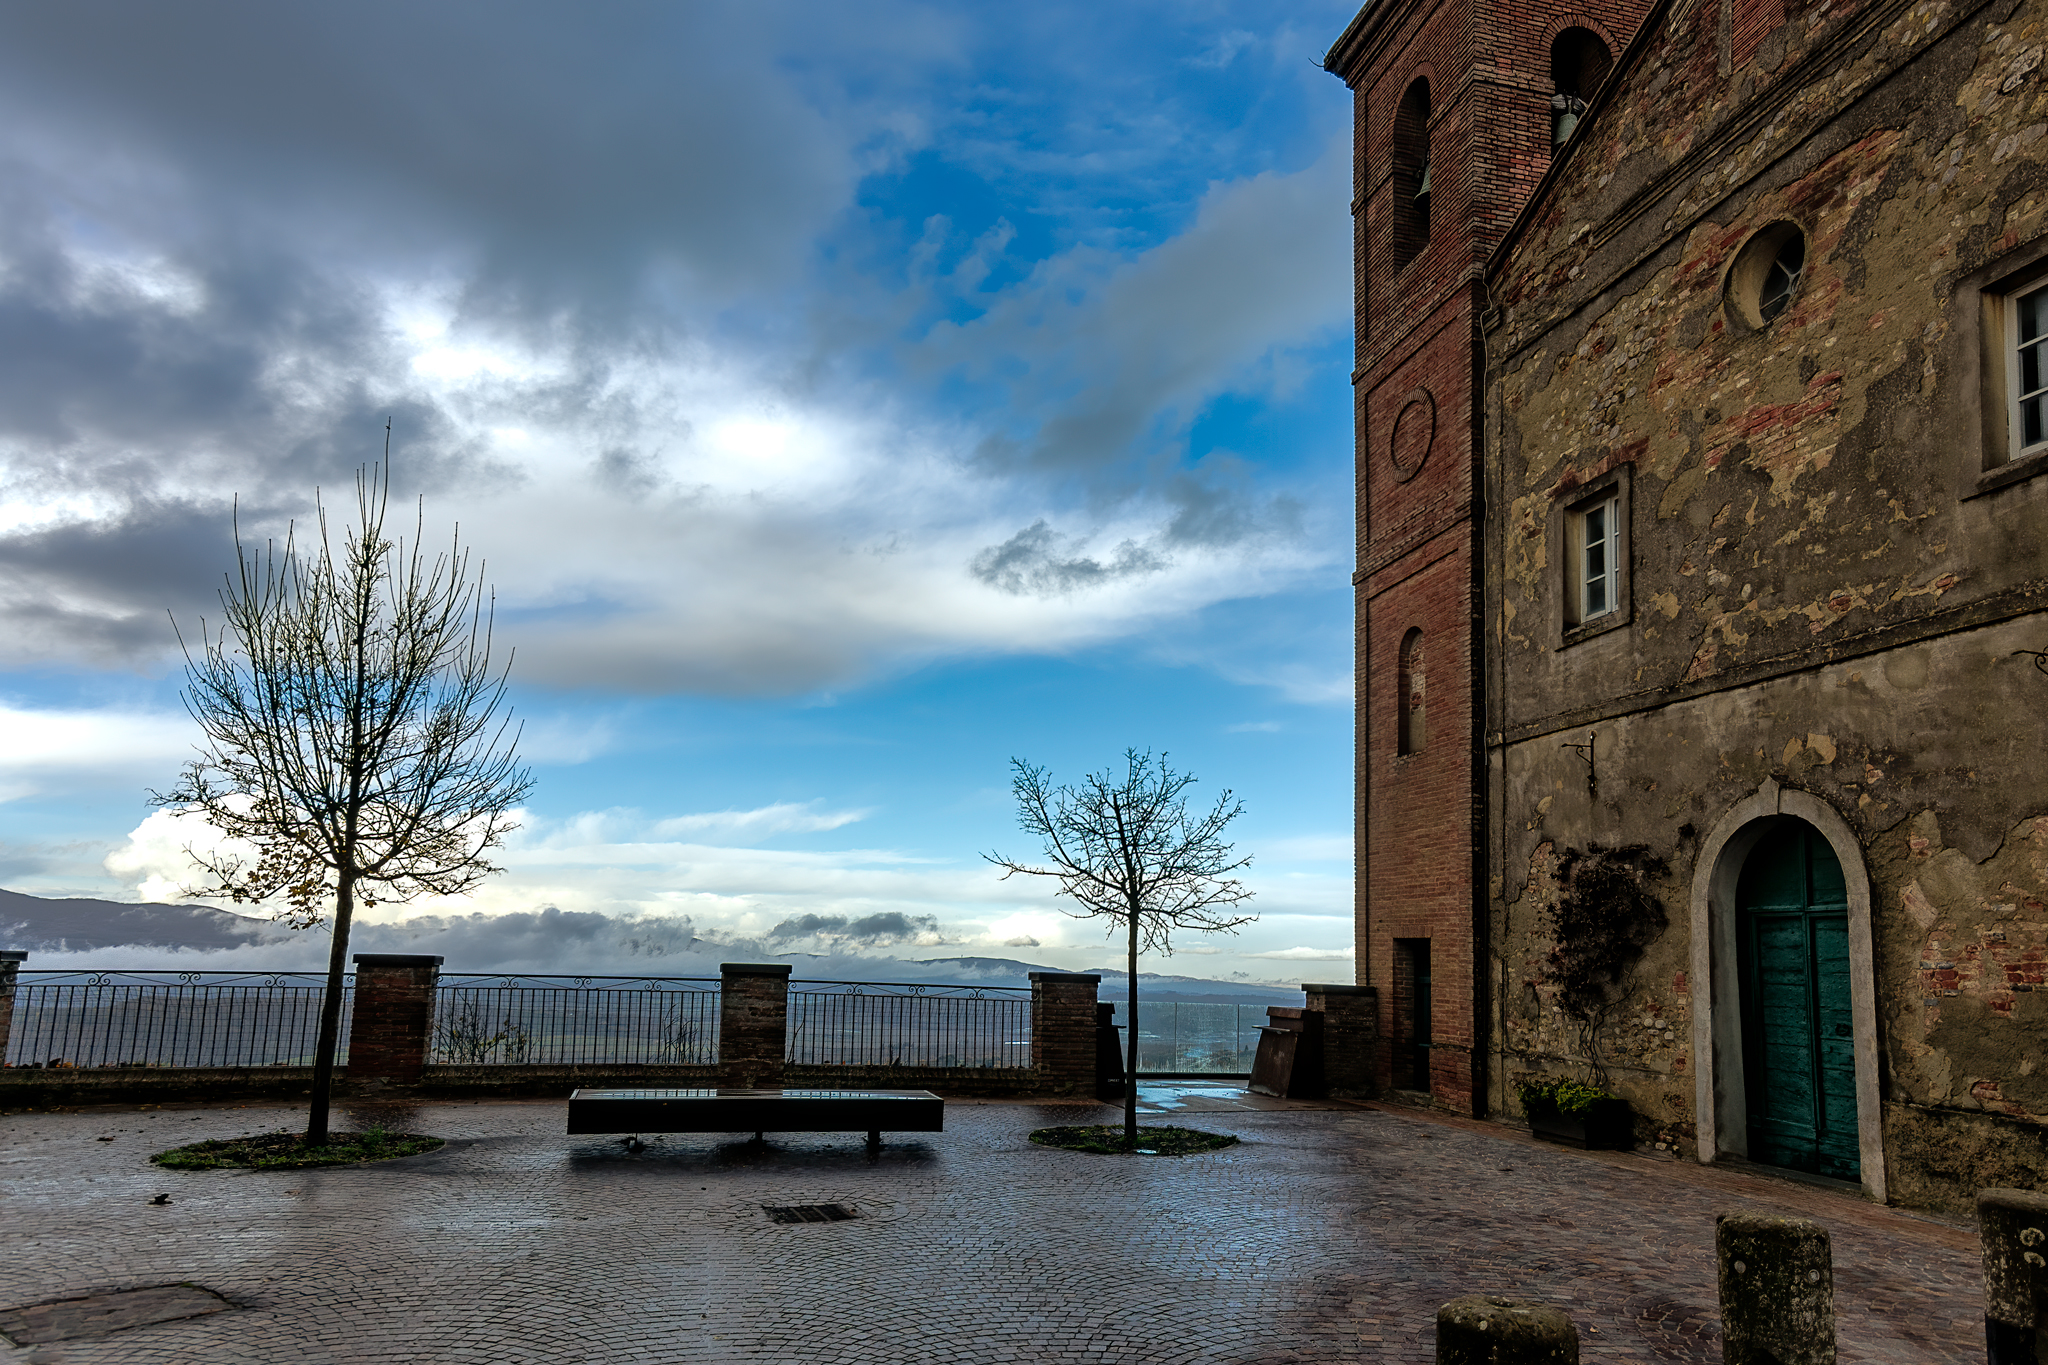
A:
1329,1234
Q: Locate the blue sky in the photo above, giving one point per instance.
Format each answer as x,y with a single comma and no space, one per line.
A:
846,399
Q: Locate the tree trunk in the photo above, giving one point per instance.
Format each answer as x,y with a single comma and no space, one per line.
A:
1131,1046
330,1015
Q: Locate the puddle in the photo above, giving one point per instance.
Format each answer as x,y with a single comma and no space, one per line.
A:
97,1315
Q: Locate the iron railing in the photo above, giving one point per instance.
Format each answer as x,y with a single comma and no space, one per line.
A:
210,1019
880,1023
575,1020
1194,1037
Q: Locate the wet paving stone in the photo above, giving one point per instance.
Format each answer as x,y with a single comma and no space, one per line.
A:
1326,1234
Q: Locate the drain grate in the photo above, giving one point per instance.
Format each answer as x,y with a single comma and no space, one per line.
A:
98,1314
809,1213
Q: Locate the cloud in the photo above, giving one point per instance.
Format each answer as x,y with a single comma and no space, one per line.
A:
44,751
1113,342
615,276
882,930
1030,563
1253,727
1307,955
764,820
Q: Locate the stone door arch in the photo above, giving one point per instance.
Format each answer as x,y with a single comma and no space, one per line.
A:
1721,1115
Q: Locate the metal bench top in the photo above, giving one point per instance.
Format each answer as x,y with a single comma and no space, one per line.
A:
706,1110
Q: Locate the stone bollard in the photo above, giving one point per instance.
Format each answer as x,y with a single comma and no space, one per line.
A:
753,1024
391,1017
2014,1226
10,963
1351,1037
1777,1290
1482,1329
1063,1036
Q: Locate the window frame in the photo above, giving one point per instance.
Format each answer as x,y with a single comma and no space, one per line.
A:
1982,407
1610,492
2017,448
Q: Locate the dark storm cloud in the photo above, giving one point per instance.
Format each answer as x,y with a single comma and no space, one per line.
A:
874,931
1031,563
573,153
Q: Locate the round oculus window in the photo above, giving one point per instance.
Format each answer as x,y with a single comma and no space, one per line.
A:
1765,277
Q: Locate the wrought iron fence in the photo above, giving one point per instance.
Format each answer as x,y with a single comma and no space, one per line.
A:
575,1020
125,1019
879,1023
1179,1037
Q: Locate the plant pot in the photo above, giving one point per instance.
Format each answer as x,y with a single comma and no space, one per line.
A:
1608,1124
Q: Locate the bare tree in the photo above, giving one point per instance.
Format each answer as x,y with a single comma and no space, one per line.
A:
357,749
1123,847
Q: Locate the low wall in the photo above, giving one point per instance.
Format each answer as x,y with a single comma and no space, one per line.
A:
26,1088
968,1082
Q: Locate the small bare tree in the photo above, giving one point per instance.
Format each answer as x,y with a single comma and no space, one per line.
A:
1123,847
357,749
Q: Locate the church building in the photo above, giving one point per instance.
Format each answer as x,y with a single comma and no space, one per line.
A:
1703,609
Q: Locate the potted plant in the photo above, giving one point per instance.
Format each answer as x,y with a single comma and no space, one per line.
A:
1573,1112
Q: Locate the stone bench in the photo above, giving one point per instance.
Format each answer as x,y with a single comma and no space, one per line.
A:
759,1111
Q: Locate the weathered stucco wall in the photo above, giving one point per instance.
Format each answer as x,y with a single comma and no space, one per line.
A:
1828,577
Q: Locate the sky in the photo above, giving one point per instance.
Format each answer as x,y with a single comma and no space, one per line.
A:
842,401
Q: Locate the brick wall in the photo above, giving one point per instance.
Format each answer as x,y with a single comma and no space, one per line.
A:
1063,1031
1417,382
1350,1034
392,1017
753,1024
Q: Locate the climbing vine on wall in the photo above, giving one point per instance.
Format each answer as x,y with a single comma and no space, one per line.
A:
1603,918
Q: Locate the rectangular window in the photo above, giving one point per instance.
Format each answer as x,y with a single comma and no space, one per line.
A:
1589,556
1599,560
2026,374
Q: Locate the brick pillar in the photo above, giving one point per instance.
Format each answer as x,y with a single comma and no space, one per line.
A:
753,1024
2014,1226
1351,1038
10,963
391,1023
1063,1031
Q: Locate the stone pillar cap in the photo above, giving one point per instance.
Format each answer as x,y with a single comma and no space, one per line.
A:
13,955
1339,990
754,969
1090,977
397,959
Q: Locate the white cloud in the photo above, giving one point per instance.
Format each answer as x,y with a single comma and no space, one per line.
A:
53,750
1307,955
612,867
780,818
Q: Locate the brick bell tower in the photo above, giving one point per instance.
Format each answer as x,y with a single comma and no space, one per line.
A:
1457,107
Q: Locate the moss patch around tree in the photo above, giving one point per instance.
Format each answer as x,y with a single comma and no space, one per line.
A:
288,1151
1109,1138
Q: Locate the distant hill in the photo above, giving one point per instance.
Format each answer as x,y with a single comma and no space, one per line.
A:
1004,971
79,925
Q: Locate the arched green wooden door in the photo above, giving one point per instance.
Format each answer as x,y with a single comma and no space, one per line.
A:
1799,1062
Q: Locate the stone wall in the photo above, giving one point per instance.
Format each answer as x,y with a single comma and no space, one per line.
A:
1832,564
